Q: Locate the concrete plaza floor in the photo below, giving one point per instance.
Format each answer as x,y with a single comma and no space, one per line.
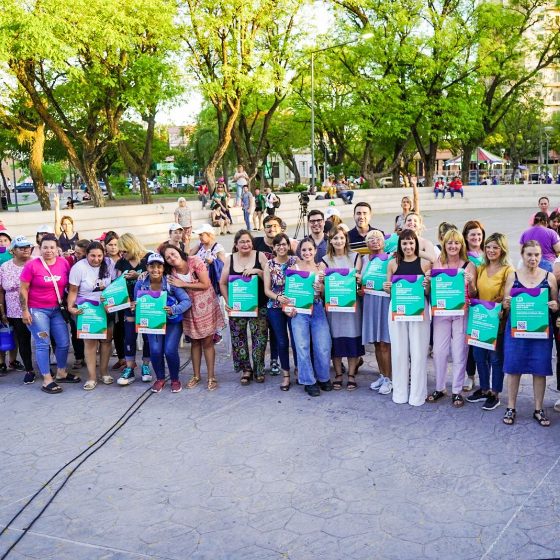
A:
255,473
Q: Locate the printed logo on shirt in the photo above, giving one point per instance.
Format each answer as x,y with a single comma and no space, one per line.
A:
48,279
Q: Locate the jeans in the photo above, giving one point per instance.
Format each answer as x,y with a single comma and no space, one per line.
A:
452,192
280,325
347,196
247,217
486,359
166,346
302,327
238,193
130,337
23,339
47,322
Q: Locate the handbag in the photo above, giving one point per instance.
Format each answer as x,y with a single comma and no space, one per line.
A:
61,304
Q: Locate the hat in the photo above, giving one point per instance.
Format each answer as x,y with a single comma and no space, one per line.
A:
175,226
221,180
101,237
204,228
4,231
332,211
155,258
21,241
45,228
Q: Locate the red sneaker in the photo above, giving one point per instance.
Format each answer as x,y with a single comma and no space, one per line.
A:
159,385
176,387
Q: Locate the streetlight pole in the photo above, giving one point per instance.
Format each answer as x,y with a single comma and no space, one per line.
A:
15,185
312,189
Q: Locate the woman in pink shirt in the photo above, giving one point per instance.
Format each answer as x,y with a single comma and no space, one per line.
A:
41,311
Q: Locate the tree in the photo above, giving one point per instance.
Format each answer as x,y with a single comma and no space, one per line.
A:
82,64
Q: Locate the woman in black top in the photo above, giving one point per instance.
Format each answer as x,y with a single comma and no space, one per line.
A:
246,261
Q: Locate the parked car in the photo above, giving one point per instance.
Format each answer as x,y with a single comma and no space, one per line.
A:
182,187
25,187
101,184
387,182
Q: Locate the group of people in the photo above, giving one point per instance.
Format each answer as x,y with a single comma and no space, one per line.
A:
42,281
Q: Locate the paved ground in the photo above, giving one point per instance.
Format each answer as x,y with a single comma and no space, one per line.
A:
254,473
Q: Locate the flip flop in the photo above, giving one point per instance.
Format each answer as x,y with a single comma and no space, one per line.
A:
90,385
52,388
70,378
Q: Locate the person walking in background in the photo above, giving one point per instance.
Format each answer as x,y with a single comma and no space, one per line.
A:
247,205
260,207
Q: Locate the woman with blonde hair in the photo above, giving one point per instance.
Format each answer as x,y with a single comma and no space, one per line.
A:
449,331
415,222
182,216
131,264
64,229
346,328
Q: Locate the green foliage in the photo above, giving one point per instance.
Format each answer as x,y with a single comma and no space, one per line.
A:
55,172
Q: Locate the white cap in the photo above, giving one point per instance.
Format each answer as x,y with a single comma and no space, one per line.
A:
155,258
204,228
45,228
175,226
332,211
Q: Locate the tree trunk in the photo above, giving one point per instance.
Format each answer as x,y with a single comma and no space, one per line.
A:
145,193
290,162
36,166
5,183
468,150
90,178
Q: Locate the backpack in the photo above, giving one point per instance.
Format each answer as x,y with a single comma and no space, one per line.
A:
277,202
215,272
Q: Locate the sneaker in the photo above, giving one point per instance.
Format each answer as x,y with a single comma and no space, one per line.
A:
3,370
468,384
29,378
325,385
158,385
557,406
478,396
313,390
274,367
146,373
387,387
78,364
176,387
17,365
376,385
491,403
127,377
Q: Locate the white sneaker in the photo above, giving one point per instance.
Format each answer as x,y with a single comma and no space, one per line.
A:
387,387
376,385
146,373
557,406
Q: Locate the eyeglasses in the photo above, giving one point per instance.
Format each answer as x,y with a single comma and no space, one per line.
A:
319,221
281,245
270,226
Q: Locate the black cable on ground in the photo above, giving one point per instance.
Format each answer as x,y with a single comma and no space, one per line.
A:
115,426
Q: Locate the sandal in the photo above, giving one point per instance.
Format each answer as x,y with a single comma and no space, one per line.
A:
70,378
509,416
52,388
541,418
212,384
192,382
435,396
246,377
107,379
351,385
286,386
337,383
360,364
259,378
457,401
90,385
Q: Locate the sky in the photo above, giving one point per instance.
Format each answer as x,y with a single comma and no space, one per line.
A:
317,20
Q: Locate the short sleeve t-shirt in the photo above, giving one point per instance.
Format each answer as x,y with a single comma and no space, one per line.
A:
123,265
41,290
547,238
9,280
86,277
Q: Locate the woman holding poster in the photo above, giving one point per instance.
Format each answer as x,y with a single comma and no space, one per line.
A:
340,266
409,324
164,346
244,265
491,283
452,278
204,318
375,323
531,294
88,278
310,327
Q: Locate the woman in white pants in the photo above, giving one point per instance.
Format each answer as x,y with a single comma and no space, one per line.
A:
409,339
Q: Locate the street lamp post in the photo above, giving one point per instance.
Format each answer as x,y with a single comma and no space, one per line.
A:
15,185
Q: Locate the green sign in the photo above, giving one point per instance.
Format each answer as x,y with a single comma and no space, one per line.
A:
92,322
391,243
151,317
374,275
115,295
243,296
448,291
408,298
477,260
529,313
340,290
483,323
299,290
165,166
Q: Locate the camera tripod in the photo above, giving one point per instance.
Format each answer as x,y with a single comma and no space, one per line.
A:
302,221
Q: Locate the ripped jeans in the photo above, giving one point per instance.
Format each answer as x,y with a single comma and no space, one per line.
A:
47,322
